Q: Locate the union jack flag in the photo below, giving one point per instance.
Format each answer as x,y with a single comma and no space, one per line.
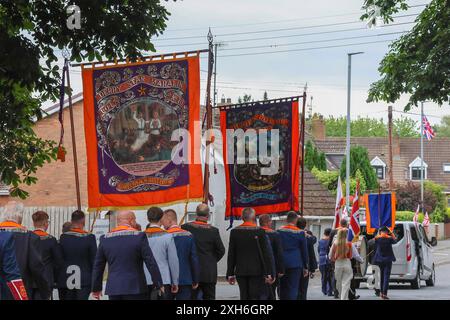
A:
354,226
427,129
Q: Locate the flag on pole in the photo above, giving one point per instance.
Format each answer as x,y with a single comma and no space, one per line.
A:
337,210
427,129
426,220
416,214
354,227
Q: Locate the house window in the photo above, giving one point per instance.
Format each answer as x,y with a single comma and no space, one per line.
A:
415,169
379,166
447,167
379,171
415,173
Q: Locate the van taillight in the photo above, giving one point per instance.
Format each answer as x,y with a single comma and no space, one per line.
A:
408,249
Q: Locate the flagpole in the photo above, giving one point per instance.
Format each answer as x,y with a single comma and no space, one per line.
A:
421,158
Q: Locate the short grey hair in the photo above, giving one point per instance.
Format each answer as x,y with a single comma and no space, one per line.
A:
12,211
248,214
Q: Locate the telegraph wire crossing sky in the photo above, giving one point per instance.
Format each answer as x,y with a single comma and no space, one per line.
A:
279,51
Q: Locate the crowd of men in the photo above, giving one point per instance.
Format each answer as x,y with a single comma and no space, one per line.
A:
165,261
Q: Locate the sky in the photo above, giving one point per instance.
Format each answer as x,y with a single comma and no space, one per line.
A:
238,24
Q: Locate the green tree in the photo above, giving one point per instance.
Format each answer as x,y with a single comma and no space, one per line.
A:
265,96
359,160
360,127
322,162
309,155
418,63
443,129
406,127
32,34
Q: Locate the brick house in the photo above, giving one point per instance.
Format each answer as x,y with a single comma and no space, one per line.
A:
406,155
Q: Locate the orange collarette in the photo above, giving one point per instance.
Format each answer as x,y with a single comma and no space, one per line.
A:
122,228
291,227
78,230
200,222
40,233
266,228
154,230
11,224
248,224
174,229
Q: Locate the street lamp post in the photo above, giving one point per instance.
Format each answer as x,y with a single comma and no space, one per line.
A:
347,150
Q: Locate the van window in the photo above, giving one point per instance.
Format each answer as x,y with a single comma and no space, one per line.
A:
414,234
399,231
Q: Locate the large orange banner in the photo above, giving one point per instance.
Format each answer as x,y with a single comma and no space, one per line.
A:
130,114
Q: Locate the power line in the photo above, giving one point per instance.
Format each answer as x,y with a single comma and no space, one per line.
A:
277,30
287,36
277,21
305,49
313,41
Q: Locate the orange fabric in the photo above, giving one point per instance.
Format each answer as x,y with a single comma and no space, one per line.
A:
175,229
97,200
200,222
248,224
154,230
11,224
40,233
123,228
291,227
267,228
383,235
78,230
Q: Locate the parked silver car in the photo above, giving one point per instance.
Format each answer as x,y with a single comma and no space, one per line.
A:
413,252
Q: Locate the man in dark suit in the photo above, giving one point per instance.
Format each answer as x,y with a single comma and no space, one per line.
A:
249,258
187,256
384,257
312,261
78,249
125,249
266,224
9,269
210,250
295,256
50,251
28,250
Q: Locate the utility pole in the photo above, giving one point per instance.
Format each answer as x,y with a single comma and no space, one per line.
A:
391,160
347,153
421,158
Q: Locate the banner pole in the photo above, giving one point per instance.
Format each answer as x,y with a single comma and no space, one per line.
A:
206,195
74,146
302,127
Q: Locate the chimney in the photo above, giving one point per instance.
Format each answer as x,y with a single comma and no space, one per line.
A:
318,128
396,146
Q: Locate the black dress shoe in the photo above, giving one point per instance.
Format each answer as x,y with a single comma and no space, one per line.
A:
377,292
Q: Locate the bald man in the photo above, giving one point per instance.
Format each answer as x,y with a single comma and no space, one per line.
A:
210,250
125,249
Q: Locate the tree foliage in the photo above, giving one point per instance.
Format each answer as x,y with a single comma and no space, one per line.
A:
314,158
370,127
435,202
359,161
443,129
418,63
32,34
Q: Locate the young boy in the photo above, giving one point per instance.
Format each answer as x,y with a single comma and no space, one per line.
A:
324,263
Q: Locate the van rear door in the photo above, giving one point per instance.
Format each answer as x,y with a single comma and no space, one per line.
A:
399,267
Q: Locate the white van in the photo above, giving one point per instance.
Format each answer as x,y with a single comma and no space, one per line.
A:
413,253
